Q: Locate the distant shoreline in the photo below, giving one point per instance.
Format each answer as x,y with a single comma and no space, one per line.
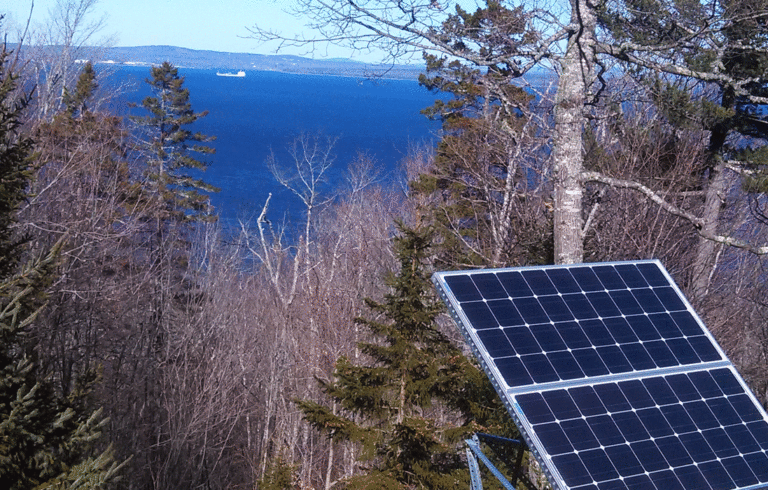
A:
201,59
188,58
360,76
147,56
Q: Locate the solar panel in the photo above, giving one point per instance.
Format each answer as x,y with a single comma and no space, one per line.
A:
611,376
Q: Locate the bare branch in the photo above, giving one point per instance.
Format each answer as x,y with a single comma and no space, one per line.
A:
671,208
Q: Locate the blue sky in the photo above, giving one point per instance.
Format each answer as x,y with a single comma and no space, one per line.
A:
197,24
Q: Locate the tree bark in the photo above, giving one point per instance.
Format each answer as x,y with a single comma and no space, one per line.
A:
573,84
707,251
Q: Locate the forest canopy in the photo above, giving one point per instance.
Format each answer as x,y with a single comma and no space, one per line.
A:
157,349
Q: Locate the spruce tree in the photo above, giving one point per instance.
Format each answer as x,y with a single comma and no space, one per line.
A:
45,440
75,102
14,169
175,201
413,373
484,194
173,149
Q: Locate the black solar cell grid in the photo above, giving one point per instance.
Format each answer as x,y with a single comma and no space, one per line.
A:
569,323
599,436
667,410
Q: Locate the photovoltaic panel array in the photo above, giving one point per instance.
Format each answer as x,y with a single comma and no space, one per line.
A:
612,377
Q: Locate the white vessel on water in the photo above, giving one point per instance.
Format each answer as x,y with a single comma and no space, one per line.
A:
239,74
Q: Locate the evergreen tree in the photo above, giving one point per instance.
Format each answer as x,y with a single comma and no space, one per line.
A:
175,201
718,83
75,103
173,147
485,194
709,76
44,440
414,373
14,169
279,475
77,129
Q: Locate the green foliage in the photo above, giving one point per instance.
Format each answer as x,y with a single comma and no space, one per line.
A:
279,476
486,162
75,103
77,136
15,170
492,33
391,404
720,49
173,148
747,36
375,480
756,182
650,22
44,440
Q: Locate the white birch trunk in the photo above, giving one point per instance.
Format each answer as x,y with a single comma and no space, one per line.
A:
573,85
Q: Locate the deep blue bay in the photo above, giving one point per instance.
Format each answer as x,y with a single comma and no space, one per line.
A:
266,111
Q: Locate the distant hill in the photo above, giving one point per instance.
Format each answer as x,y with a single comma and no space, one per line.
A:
222,61
190,58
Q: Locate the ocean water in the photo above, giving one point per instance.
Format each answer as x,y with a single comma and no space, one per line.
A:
265,111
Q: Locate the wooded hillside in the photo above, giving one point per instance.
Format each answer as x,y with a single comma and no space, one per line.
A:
161,351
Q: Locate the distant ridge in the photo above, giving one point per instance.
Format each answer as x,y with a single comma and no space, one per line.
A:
191,58
218,60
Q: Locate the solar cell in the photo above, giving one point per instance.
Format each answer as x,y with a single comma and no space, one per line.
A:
612,377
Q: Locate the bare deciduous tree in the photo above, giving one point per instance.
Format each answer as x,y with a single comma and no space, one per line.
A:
509,40
70,36
312,289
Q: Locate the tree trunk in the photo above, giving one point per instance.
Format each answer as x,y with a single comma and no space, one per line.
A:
573,84
329,467
708,251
